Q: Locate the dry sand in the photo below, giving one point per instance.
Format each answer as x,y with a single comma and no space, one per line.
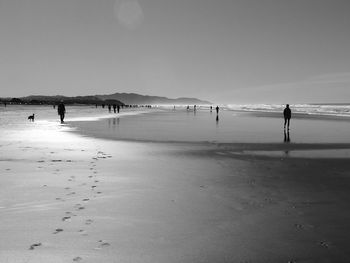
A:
92,200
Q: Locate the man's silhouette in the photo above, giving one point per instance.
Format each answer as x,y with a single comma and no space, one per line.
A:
287,113
61,109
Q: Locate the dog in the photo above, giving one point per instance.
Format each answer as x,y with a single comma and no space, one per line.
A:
31,117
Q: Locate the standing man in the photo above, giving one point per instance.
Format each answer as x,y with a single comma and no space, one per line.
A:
217,110
61,109
287,114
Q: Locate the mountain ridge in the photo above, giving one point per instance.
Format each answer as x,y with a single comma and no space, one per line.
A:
115,98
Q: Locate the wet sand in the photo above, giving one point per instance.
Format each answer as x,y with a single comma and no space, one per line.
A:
82,199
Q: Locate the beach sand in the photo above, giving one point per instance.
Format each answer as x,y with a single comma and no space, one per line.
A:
82,199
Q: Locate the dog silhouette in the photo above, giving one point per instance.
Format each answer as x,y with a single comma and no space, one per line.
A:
31,117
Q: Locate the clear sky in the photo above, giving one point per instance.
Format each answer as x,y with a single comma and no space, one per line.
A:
225,51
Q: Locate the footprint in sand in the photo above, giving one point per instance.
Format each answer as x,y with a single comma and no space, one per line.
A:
79,207
89,222
325,244
57,230
33,246
71,193
102,244
86,199
66,218
94,186
70,214
77,259
99,192
303,227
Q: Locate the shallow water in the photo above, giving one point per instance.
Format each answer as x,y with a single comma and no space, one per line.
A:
203,126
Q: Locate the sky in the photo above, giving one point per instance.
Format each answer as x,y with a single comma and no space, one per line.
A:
224,51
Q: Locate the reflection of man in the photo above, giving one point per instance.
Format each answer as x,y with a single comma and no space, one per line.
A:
287,113
61,109
286,136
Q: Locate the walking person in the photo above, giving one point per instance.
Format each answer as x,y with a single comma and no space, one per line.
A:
287,114
61,110
217,110
118,108
109,108
114,108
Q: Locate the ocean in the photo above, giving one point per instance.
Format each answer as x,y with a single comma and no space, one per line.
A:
338,110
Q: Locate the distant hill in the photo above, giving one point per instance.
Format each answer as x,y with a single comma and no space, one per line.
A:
133,98
39,99
116,98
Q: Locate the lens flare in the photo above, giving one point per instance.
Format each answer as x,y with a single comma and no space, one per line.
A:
128,13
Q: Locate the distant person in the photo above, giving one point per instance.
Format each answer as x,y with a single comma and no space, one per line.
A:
188,107
118,108
5,104
103,106
195,107
217,109
211,108
287,114
54,106
109,108
61,110
114,108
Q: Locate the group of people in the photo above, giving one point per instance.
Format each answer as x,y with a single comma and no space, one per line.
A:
115,108
211,108
287,113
